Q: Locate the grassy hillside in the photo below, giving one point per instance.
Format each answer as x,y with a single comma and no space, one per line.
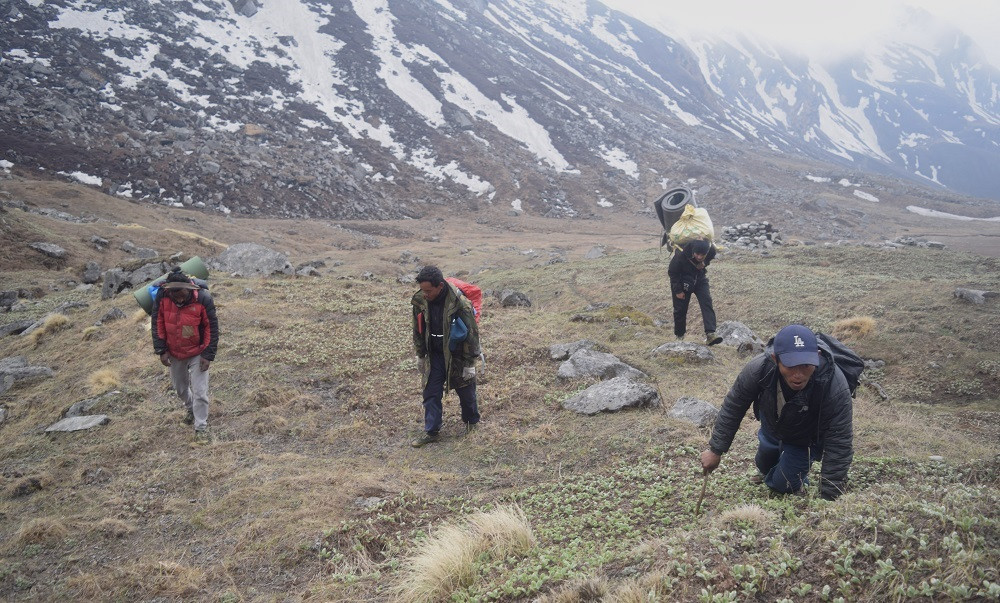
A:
308,489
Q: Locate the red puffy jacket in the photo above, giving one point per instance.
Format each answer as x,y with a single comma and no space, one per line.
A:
188,330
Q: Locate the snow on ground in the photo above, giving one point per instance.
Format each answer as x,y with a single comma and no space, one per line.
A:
865,196
83,177
933,213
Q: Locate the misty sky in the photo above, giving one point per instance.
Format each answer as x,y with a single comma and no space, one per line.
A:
819,28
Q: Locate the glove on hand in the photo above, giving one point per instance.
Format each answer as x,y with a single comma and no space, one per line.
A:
469,372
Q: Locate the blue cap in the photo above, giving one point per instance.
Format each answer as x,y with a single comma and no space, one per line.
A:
795,345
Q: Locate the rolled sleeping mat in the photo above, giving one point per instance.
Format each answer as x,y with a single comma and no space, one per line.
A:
670,206
144,294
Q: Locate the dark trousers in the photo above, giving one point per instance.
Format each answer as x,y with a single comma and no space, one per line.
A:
785,466
700,289
434,393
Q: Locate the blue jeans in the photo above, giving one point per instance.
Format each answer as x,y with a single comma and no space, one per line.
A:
434,392
785,466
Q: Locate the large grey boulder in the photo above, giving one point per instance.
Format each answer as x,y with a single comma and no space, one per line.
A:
591,363
16,328
146,273
509,298
18,368
79,423
613,395
7,299
696,411
684,351
735,333
91,272
974,296
114,281
50,249
562,351
248,259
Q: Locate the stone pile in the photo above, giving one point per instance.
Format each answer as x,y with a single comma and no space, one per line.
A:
752,235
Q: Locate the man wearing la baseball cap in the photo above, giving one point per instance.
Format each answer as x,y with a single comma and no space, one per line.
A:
804,405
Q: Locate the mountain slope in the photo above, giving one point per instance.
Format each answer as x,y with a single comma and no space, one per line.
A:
379,109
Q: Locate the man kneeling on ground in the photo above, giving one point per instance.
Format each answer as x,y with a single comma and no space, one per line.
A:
804,405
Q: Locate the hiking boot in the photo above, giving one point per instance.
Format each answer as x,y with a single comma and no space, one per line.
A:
712,339
679,337
189,417
427,438
202,434
757,479
470,427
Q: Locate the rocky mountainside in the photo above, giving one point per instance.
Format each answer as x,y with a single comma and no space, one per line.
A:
382,109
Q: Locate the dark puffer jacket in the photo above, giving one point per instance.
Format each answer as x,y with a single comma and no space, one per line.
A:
683,273
465,355
821,414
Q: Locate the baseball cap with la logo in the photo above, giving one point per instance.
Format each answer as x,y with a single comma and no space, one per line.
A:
795,345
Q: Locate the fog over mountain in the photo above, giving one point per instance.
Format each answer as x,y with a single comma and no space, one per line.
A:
384,108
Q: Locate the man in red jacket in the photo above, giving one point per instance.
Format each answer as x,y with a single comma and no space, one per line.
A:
185,337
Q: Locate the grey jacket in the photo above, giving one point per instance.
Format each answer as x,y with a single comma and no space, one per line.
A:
822,414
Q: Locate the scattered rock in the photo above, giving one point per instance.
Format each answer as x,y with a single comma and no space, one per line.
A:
18,368
685,350
509,298
78,423
613,395
696,411
91,272
3,409
752,236
590,363
50,249
99,243
15,328
147,273
110,316
974,296
114,281
595,252
248,259
740,336
7,299
562,351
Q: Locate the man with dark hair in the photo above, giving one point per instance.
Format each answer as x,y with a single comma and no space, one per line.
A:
803,402
446,340
186,337
688,277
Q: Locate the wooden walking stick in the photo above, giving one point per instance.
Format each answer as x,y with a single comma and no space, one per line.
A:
704,484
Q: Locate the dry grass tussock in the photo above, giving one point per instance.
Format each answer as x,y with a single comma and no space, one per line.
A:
749,513
140,315
196,237
42,530
53,323
592,589
143,580
447,560
103,380
854,328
